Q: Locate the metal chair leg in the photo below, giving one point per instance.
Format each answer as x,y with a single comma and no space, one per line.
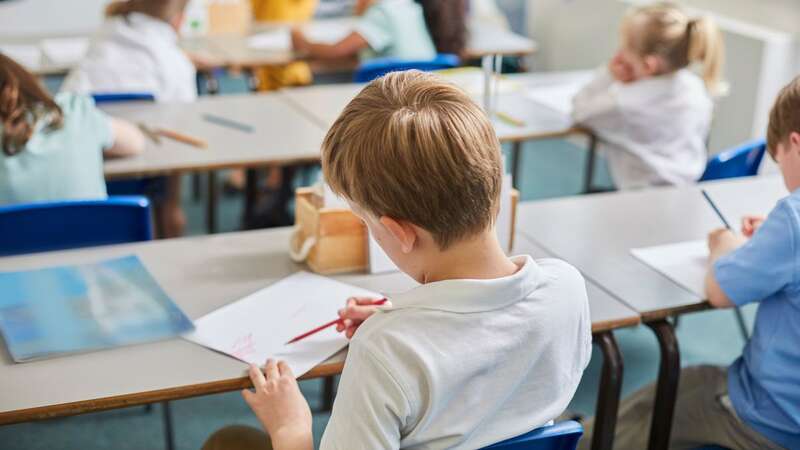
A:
328,393
169,435
588,174
516,148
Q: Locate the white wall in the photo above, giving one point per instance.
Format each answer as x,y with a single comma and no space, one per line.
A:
761,55
32,17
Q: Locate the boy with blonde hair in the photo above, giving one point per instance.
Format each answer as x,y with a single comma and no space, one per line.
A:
487,347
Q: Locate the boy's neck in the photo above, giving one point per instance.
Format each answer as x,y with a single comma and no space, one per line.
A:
480,258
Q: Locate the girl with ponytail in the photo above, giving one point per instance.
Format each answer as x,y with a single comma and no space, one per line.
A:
650,110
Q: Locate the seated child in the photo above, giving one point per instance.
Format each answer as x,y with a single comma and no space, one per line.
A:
385,28
487,347
53,148
754,403
650,111
137,50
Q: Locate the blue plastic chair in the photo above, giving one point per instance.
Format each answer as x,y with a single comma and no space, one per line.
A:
561,436
47,226
379,67
742,161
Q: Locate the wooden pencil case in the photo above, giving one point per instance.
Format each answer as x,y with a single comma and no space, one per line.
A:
333,240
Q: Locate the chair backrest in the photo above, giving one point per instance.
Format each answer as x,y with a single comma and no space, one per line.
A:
116,97
742,161
379,67
46,226
561,436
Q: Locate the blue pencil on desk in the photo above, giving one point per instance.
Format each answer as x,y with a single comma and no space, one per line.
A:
225,122
716,210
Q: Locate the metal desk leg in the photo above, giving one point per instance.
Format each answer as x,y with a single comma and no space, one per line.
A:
250,195
588,174
667,388
608,395
516,148
742,324
168,431
213,200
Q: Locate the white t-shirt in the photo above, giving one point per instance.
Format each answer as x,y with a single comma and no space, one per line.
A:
653,131
465,363
135,53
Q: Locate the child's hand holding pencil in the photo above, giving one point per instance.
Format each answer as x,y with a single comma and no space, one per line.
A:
356,312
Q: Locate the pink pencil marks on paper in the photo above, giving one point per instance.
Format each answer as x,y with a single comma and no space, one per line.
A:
243,347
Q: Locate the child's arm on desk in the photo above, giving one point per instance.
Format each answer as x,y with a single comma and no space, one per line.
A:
347,47
128,140
720,243
280,406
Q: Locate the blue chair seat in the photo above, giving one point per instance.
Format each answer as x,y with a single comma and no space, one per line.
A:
379,67
561,436
116,97
742,161
47,226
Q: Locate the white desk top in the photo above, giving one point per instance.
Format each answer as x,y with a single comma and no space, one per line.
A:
596,232
201,274
281,134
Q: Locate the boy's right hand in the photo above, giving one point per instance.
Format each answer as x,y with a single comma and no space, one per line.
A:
750,224
357,310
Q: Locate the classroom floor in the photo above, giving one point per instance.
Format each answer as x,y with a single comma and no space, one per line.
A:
550,168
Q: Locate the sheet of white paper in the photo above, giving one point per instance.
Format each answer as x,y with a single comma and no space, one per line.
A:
685,263
558,96
65,51
276,40
258,326
328,31
29,56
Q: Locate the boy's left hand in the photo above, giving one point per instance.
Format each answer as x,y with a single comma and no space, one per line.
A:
280,406
722,241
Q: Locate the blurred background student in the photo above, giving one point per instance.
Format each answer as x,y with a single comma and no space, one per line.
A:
651,112
136,51
53,148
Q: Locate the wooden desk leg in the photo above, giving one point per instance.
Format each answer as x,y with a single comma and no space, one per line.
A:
608,395
168,431
669,371
213,200
516,148
588,174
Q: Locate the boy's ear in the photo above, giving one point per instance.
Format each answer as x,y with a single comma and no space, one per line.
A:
403,231
794,141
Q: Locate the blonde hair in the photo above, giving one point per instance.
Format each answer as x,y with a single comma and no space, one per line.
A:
413,147
665,30
165,10
785,116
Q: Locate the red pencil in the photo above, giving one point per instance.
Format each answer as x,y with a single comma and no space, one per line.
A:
331,323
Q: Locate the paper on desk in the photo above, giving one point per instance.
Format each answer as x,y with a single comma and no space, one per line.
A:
258,326
276,40
557,97
65,51
29,56
685,263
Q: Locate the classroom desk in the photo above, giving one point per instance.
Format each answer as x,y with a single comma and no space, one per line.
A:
202,274
596,233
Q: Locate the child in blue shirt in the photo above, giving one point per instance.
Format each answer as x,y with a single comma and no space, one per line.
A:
754,403
764,266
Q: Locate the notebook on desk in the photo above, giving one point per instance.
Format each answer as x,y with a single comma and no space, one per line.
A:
70,309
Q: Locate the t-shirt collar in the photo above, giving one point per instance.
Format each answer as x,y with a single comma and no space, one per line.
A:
471,295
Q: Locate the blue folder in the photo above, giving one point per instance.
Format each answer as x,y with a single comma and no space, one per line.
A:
69,309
